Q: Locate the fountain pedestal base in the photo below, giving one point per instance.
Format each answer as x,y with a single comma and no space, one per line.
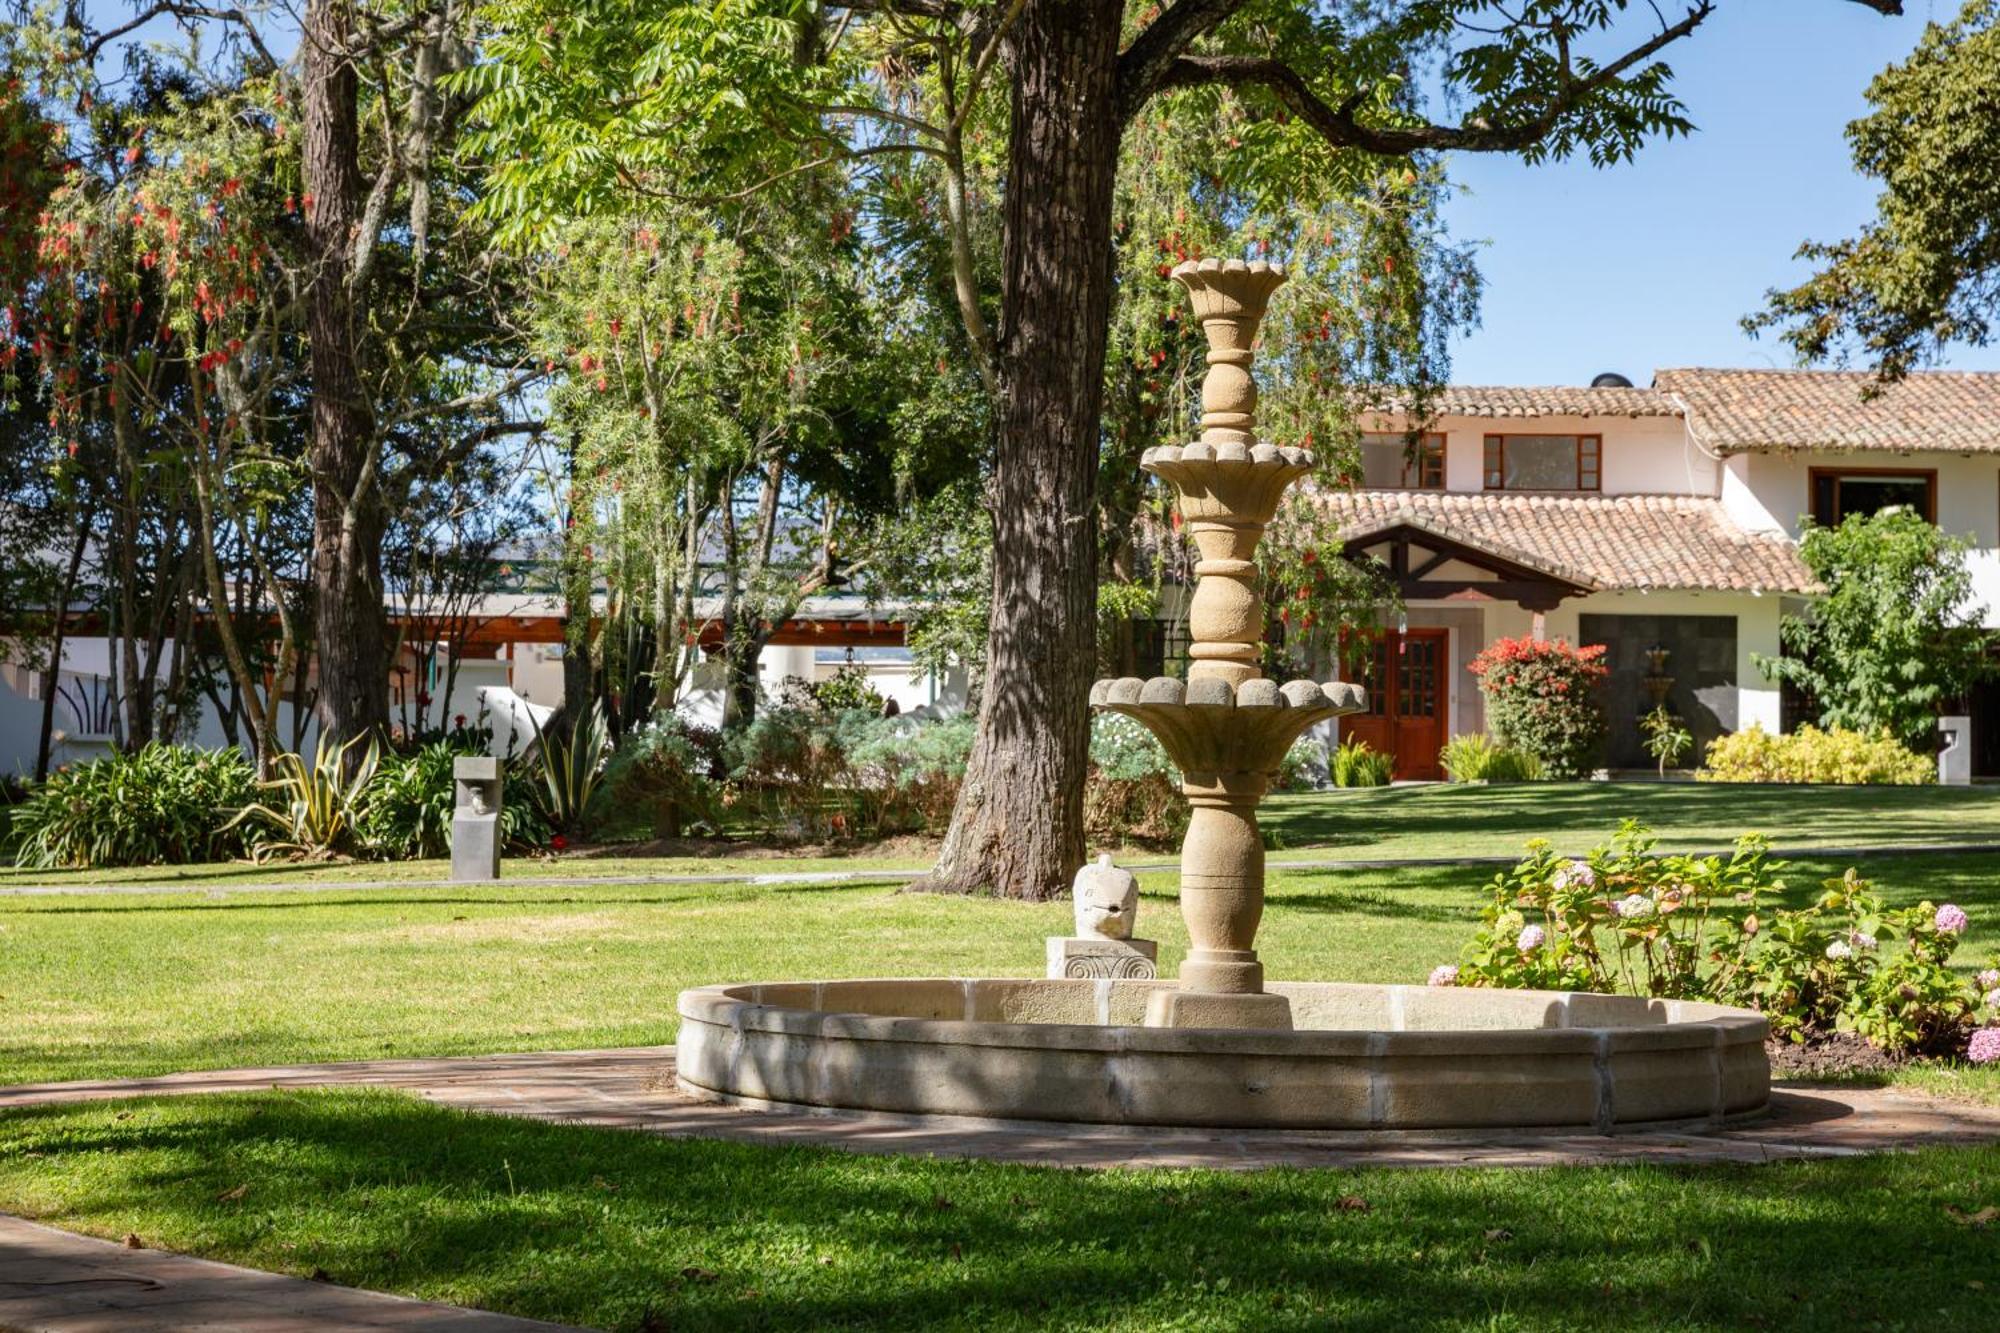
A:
1216,1009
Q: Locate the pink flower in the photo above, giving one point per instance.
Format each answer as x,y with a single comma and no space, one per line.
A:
1985,1046
1444,974
1574,875
1531,939
1951,919
1989,979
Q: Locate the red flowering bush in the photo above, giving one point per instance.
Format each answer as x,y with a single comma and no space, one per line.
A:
1541,697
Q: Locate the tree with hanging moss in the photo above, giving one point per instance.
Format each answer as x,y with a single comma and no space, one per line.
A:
710,101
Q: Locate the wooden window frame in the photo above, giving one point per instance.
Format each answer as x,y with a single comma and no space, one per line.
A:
1425,471
1929,475
1493,461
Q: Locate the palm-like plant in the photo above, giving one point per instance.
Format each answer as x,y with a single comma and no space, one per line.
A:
319,805
571,761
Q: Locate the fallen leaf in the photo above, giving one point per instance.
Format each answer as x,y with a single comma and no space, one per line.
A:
1499,1233
1352,1203
122,1115
1965,1219
694,1274
231,1196
132,1241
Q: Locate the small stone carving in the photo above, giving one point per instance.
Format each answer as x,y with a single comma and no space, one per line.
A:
1107,904
1107,900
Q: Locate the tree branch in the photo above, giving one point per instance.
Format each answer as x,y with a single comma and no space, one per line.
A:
1145,63
1338,126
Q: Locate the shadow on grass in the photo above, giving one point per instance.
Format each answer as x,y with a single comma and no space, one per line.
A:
629,1232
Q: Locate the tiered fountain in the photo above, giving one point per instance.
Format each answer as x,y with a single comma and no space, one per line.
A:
1221,1047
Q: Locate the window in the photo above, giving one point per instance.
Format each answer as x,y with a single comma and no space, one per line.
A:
1544,462
1389,463
1838,492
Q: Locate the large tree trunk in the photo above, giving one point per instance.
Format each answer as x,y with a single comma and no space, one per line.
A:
348,517
1018,828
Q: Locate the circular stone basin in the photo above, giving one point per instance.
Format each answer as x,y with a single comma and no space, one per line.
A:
1361,1057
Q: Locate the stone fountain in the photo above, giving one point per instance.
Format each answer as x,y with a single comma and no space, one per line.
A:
1101,1041
1227,727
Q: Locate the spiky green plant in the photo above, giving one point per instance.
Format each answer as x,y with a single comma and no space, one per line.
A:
319,806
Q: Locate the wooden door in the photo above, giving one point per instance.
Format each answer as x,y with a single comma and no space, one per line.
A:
1405,680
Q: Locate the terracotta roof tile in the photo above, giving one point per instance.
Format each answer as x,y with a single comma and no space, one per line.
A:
1603,542
1506,400
1734,411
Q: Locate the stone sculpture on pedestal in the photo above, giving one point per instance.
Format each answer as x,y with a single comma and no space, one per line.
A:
1226,726
475,818
1107,903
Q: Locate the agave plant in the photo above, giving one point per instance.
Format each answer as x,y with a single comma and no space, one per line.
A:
319,805
571,763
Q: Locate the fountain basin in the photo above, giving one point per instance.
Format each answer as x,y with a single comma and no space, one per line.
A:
1360,1057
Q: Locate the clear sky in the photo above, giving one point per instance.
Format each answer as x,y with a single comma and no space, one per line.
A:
1652,263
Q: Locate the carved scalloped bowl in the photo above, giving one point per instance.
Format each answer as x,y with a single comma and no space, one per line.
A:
1208,727
1228,480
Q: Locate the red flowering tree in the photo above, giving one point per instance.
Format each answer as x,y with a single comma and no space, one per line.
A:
1542,697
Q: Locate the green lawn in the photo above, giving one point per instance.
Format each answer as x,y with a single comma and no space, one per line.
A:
126,984
629,1232
1364,824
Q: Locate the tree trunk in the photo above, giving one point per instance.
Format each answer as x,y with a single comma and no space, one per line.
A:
52,674
348,517
1018,827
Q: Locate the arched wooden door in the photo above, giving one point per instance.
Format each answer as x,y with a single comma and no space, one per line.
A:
1406,683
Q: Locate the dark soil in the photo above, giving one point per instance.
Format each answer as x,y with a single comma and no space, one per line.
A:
1833,1056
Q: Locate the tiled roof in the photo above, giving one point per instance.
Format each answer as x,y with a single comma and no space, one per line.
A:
1733,411
1505,400
1601,542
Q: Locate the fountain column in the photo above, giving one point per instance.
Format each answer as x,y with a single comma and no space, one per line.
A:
1226,726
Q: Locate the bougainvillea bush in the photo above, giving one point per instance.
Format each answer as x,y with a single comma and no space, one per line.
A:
1541,698
1628,920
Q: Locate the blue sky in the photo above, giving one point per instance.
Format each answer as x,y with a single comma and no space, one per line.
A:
1652,263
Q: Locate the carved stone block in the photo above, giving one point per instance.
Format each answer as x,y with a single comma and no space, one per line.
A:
1098,959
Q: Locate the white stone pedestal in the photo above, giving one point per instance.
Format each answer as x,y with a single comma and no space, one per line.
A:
1101,959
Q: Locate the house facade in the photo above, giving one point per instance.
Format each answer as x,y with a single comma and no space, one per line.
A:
1661,522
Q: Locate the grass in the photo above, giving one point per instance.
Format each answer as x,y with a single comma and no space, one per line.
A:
627,1232
111,985
1385,823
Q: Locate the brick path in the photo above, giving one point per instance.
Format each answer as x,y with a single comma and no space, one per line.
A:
50,1280
54,1282
634,1089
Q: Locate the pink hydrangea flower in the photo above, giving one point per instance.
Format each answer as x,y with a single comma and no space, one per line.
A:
1444,974
1633,906
1989,979
1991,999
1574,875
1863,941
1952,920
1985,1047
1531,939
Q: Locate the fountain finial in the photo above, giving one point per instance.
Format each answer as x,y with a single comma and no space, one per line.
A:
1229,298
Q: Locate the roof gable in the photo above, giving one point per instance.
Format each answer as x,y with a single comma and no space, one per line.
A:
1742,411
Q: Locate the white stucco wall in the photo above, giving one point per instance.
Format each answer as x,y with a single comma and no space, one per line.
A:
1642,455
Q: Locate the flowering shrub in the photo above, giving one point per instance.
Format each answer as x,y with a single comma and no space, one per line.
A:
1628,920
1811,755
1541,697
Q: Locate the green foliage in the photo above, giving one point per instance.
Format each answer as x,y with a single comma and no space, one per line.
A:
319,806
1148,809
661,774
803,774
1356,765
1811,755
1628,920
847,690
1122,748
1896,635
1306,766
407,808
1667,737
160,805
568,764
1541,698
1921,274
1473,756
